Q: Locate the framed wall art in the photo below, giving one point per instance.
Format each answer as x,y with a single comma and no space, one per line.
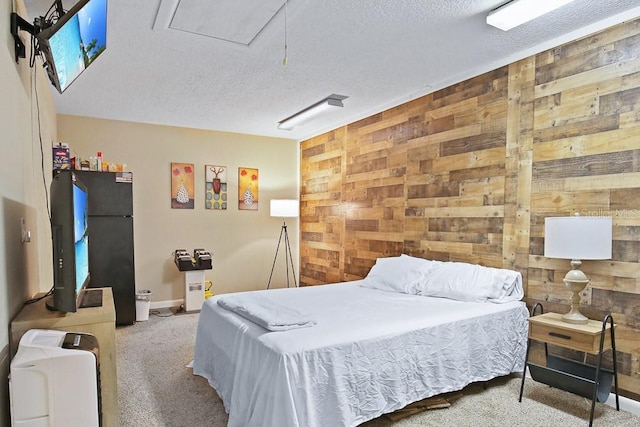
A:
215,184
182,185
247,189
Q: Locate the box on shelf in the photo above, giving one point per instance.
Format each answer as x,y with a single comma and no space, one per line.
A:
61,157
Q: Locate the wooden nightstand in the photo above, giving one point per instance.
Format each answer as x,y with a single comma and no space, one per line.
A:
594,337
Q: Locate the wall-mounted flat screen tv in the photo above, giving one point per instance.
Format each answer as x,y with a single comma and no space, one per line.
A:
74,41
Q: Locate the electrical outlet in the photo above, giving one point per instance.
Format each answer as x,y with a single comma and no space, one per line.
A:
24,233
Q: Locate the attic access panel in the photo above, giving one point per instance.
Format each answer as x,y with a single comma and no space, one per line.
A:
237,21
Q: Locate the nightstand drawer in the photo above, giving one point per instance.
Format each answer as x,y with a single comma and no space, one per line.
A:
551,329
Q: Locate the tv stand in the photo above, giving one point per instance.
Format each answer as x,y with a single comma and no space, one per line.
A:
98,321
91,298
48,302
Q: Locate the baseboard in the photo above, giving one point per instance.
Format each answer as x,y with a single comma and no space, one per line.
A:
166,304
626,404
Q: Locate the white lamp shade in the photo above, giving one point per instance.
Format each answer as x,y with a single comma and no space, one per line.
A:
578,237
285,208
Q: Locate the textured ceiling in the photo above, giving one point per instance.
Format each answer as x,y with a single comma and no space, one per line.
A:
237,21
379,53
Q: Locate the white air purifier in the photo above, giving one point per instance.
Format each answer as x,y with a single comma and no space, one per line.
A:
54,380
193,290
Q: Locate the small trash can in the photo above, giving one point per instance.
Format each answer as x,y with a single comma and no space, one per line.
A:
143,302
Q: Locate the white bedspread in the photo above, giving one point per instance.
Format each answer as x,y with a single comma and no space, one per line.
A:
371,352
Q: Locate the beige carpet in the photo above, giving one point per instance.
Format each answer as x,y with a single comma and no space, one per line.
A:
155,388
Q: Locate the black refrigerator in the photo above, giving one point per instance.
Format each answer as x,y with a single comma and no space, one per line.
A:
110,231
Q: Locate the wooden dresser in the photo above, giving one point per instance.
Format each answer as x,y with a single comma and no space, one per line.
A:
98,321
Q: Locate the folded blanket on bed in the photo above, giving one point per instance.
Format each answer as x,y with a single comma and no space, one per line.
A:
265,312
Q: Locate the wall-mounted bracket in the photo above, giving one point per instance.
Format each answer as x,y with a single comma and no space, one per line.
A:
18,23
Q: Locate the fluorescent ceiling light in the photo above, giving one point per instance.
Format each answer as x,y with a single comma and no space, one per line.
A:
308,113
517,12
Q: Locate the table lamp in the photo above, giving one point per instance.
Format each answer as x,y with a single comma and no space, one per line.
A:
577,238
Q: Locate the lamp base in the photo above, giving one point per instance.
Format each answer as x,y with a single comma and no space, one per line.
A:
575,281
288,257
575,317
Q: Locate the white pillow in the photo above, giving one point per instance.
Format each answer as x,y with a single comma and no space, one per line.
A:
404,274
470,282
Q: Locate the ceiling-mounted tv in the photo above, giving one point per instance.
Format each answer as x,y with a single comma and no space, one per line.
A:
72,42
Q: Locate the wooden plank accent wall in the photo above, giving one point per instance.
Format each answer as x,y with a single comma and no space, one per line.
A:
322,222
468,173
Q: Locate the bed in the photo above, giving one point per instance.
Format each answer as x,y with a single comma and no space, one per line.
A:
363,348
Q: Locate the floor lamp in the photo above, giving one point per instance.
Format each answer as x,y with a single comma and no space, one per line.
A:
284,208
577,238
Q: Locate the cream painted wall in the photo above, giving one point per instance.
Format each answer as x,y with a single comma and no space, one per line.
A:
243,243
28,119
